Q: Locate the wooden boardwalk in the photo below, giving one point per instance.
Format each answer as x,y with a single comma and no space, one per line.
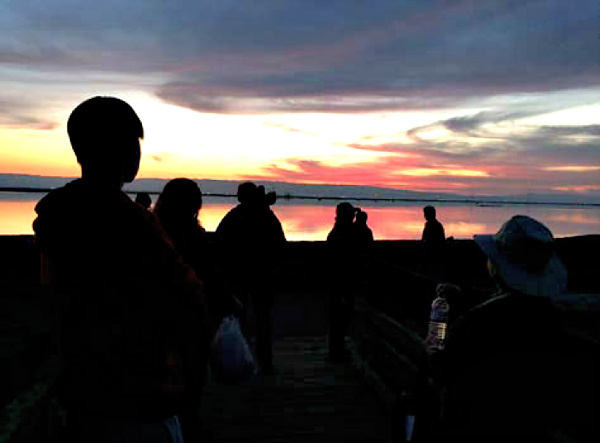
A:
310,399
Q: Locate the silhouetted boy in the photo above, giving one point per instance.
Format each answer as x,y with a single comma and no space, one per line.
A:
253,240
130,308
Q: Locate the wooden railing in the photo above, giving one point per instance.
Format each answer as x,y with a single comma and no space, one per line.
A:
385,353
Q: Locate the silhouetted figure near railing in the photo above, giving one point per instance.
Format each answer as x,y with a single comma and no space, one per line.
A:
143,199
433,243
134,324
252,241
364,242
346,258
512,370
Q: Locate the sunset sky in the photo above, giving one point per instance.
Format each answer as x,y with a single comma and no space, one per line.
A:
468,97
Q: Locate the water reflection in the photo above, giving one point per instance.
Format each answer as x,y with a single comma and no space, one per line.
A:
304,221
17,217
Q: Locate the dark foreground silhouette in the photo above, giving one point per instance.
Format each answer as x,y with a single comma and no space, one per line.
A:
511,369
134,325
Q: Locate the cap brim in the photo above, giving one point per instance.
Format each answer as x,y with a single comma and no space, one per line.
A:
552,281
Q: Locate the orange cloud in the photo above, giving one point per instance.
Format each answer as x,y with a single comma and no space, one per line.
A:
577,188
573,168
425,172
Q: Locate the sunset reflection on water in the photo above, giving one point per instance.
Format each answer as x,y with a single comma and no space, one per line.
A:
313,221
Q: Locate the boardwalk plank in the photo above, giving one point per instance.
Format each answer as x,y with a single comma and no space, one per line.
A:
309,399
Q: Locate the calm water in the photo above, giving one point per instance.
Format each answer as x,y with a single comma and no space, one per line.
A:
311,221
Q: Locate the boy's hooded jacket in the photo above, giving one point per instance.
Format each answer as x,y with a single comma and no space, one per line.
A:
125,298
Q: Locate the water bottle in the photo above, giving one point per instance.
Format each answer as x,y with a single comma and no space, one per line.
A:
438,322
403,418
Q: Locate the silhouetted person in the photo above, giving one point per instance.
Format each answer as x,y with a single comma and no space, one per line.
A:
364,242
252,239
143,199
363,232
177,209
433,232
343,246
131,310
433,243
512,368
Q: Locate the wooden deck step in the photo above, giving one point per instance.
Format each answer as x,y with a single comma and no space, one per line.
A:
309,399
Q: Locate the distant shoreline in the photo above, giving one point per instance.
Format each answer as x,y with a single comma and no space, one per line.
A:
477,202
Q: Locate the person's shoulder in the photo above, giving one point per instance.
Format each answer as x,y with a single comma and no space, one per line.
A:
334,234
230,217
507,303
132,211
235,213
60,196
507,314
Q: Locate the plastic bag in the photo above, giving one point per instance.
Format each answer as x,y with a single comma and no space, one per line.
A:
230,356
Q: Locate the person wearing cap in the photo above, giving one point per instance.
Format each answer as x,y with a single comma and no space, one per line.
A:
511,370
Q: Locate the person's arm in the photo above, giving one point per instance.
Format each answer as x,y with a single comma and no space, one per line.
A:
425,235
165,266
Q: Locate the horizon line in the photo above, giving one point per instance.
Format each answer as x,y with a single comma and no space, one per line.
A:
288,196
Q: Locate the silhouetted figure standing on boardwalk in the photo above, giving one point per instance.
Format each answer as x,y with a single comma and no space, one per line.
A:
177,209
134,323
364,235
253,239
364,242
433,243
345,248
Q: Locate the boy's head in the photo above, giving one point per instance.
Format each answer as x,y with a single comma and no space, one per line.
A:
105,135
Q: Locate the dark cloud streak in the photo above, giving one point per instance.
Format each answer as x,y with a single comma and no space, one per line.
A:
314,56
